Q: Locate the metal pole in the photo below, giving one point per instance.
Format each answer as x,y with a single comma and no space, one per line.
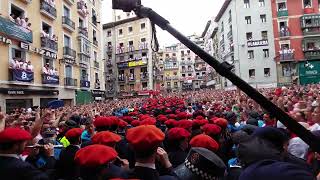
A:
224,70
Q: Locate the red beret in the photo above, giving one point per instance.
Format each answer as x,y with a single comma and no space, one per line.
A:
223,123
106,138
168,111
74,133
182,115
10,135
177,134
122,124
204,141
127,119
186,124
106,121
148,121
144,137
135,123
95,155
162,119
211,129
199,117
171,123
172,116
144,116
200,122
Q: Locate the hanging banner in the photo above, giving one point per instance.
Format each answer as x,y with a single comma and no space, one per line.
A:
50,79
15,31
137,63
22,75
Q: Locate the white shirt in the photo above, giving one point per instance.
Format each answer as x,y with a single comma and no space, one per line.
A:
146,165
298,148
30,67
314,127
23,65
45,70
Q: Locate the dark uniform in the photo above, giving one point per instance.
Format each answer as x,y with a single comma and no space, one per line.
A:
66,167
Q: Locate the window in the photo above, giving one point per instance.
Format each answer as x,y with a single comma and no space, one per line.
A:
264,34
16,11
66,11
307,3
130,29
266,72
84,74
122,88
120,32
95,56
261,3
175,84
188,52
49,62
168,84
144,54
109,34
222,26
266,53
250,54
252,73
68,69
67,41
143,26
130,43
183,75
282,6
249,36
94,17
119,18
18,54
189,75
47,28
144,85
263,18
246,3
248,19
94,35
143,39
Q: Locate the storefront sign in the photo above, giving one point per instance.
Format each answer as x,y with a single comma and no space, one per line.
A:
39,51
137,63
309,72
15,31
10,91
258,43
122,65
5,40
70,61
50,79
22,75
96,93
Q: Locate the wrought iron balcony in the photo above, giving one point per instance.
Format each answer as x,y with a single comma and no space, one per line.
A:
96,64
109,49
67,23
284,32
312,54
286,55
49,44
83,58
69,53
48,10
83,31
84,84
70,81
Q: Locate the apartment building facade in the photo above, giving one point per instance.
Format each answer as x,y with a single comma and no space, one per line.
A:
42,45
245,34
297,41
129,56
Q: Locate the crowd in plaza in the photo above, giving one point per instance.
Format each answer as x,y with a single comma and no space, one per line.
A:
205,134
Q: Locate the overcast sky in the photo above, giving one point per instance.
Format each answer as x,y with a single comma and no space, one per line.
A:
188,16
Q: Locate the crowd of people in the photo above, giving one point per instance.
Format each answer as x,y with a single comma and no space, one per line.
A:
21,21
49,70
18,63
205,134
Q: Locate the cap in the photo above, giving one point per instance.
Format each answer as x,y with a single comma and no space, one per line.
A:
177,134
73,133
148,121
135,123
223,123
186,124
204,141
106,138
144,137
201,164
211,129
10,135
95,155
71,124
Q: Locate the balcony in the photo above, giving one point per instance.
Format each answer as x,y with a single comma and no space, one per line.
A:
132,78
308,10
68,24
96,64
121,79
50,79
47,10
286,55
82,9
69,53
229,35
14,31
201,68
109,78
109,63
70,82
312,54
186,70
221,42
95,41
310,24
171,67
21,75
70,2
84,84
143,46
48,44
120,50
84,58
109,50
131,48
144,77
83,31
284,33
282,13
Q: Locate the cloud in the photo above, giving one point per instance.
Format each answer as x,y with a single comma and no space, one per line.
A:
188,16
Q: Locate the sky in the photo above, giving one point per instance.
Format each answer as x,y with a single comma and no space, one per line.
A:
187,16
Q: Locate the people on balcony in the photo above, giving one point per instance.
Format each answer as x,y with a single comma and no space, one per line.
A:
83,8
49,71
18,63
51,2
21,21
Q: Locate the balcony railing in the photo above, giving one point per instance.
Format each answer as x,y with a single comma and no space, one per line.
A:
83,58
83,31
144,77
310,24
312,54
109,63
143,45
82,9
120,50
50,79
132,78
95,41
109,49
84,84
96,64
121,79
68,52
68,23
49,44
284,33
282,13
21,75
229,35
286,55
48,10
131,48
70,81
